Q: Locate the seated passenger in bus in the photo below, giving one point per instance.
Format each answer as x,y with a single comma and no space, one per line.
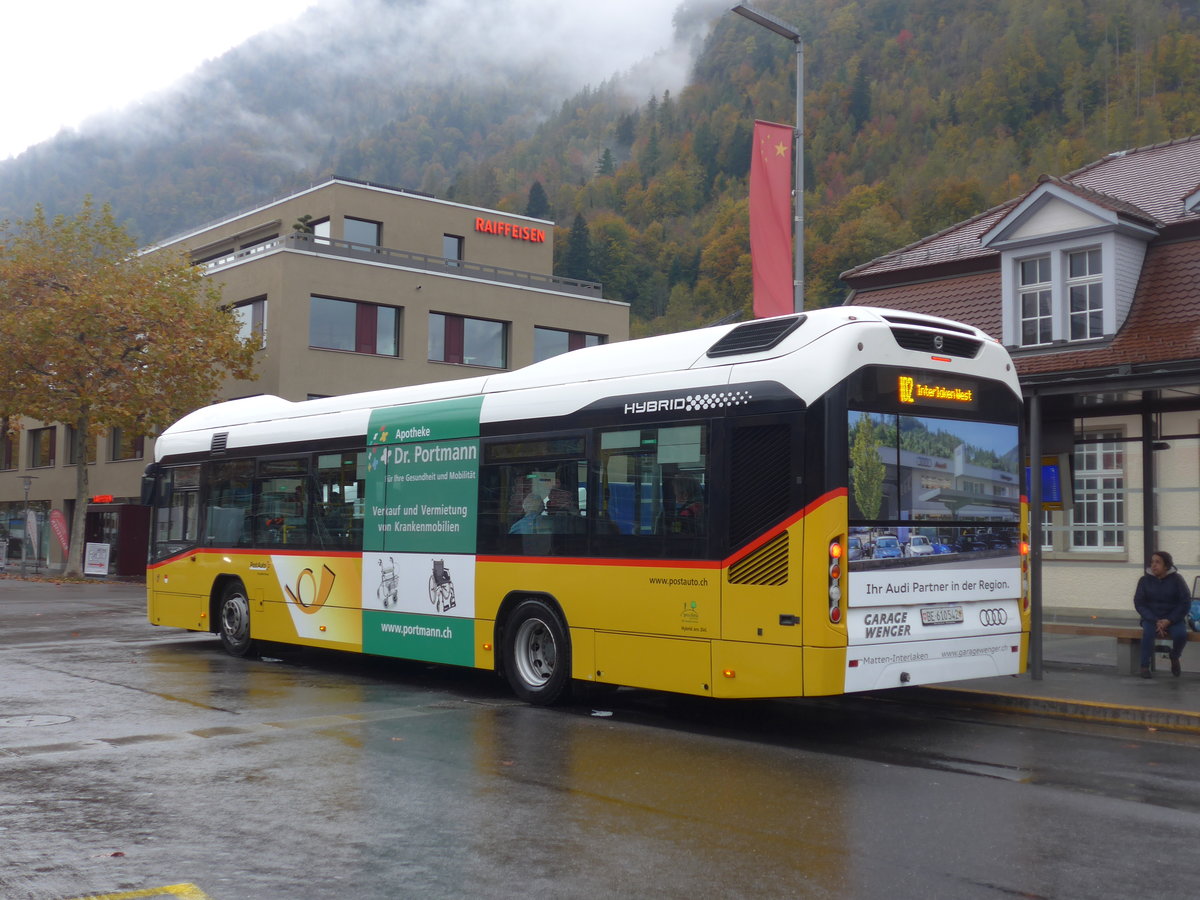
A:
687,516
562,509
533,521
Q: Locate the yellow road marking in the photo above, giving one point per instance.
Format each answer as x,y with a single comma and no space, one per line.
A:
186,891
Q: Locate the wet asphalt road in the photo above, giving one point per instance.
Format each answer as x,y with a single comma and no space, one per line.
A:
134,758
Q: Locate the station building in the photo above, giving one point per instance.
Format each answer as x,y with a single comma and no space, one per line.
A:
1092,281
346,286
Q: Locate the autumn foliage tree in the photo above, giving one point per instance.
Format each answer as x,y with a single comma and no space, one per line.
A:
98,335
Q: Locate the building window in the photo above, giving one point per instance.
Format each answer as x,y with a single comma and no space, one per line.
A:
1036,303
354,327
361,231
1098,516
548,342
466,341
72,459
252,319
8,448
41,447
121,445
1048,530
320,231
1085,295
452,247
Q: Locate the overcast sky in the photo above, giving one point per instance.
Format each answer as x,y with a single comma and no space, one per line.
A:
67,60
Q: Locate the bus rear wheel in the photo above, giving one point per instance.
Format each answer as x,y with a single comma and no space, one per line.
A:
233,620
537,658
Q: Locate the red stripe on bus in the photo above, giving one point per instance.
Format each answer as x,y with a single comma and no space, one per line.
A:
787,523
605,561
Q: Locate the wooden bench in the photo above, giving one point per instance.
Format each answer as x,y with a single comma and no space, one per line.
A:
1129,641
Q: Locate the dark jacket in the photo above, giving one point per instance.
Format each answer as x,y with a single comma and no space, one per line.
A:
1162,598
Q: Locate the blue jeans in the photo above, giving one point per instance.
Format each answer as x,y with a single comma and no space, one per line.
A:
1177,632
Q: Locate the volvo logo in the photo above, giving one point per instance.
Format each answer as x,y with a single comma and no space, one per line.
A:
938,340
993,617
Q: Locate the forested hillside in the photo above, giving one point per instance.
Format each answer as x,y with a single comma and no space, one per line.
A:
918,114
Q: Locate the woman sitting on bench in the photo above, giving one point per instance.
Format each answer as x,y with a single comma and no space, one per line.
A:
1162,600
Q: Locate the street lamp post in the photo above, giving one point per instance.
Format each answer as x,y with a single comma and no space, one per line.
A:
26,480
771,23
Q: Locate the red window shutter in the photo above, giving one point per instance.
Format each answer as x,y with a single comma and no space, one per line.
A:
454,339
364,328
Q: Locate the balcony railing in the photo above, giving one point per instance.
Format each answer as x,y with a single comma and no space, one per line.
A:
324,246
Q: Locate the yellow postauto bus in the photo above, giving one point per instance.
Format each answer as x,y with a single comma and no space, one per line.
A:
805,505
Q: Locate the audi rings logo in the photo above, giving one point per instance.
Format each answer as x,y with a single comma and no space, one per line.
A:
993,617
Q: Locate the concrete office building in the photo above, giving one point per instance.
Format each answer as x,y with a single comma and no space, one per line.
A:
347,286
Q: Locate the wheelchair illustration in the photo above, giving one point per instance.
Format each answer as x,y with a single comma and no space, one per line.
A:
441,588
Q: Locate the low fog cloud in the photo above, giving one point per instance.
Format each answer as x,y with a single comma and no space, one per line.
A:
574,45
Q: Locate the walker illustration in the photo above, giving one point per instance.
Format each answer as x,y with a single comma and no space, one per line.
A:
441,588
386,593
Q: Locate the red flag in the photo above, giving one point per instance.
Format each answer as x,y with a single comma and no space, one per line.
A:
771,219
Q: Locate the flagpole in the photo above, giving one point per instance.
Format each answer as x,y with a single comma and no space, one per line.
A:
798,191
771,23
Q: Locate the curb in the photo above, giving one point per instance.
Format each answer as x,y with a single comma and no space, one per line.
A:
1062,708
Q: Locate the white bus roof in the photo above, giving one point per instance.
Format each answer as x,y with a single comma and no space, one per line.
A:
654,363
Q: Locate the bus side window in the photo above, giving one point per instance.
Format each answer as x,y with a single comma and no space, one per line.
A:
338,488
534,509
652,484
229,503
176,498
281,516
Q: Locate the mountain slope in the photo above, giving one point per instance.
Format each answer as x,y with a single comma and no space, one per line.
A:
918,115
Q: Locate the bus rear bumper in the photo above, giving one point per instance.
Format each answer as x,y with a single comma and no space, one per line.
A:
875,666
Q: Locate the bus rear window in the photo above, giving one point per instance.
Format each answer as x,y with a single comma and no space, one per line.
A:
953,483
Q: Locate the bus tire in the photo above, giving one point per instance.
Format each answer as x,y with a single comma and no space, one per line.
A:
537,657
233,620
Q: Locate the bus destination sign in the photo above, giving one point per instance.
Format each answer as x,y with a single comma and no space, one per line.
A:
913,390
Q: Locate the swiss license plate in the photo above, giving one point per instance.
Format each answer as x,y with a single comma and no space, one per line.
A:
942,615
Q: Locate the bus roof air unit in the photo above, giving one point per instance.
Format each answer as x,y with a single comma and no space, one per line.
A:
755,337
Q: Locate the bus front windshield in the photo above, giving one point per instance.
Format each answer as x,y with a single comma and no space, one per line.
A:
952,482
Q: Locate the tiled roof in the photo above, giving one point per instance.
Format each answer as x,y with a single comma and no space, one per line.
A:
1155,179
1124,207
1147,183
958,242
974,299
1163,324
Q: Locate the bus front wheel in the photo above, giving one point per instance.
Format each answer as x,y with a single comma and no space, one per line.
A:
233,621
537,658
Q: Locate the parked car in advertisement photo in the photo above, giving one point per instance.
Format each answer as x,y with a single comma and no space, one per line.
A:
854,547
920,545
887,546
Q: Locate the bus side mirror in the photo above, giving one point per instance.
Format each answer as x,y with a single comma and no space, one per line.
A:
150,484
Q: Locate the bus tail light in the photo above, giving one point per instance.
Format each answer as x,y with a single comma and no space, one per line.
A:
1025,576
835,580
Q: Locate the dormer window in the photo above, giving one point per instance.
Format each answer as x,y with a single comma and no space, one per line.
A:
1069,265
1036,297
1059,296
1085,291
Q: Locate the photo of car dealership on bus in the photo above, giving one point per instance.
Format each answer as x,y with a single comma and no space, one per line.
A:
710,513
